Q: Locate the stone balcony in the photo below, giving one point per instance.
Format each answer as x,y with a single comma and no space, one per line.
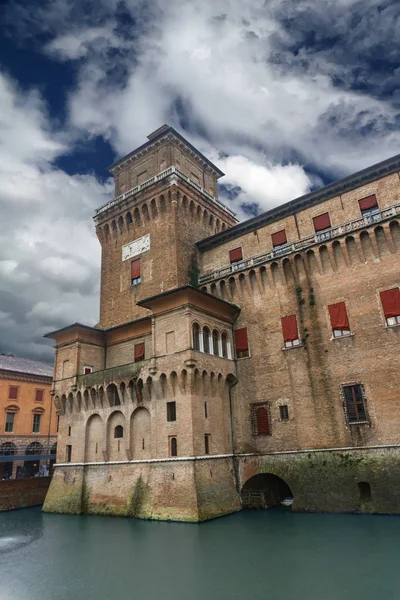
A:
289,248
160,176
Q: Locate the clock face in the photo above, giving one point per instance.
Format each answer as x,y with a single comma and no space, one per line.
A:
136,247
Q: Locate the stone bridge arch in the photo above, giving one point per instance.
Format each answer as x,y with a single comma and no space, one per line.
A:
265,490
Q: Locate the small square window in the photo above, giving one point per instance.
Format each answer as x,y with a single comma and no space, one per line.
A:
13,392
39,395
284,412
87,369
171,411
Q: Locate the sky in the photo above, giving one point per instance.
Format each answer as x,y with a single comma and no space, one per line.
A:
284,96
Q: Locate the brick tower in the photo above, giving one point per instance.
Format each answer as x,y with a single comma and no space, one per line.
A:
166,199
143,397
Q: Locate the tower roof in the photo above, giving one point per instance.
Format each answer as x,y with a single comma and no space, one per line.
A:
165,131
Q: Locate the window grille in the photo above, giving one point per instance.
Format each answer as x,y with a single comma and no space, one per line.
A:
260,418
354,403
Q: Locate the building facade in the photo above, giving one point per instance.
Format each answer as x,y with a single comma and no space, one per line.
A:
234,364
28,419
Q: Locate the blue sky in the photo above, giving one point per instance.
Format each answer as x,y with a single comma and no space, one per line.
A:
283,96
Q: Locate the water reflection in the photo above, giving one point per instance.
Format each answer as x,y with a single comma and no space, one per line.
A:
260,555
25,530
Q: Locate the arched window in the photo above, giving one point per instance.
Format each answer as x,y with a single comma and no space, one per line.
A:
34,448
7,449
174,446
224,340
215,340
119,431
206,340
262,421
196,336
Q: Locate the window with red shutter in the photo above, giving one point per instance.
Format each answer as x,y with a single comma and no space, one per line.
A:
339,319
39,395
260,418
241,343
236,258
369,208
279,238
391,305
87,369
13,392
139,352
321,224
135,272
290,331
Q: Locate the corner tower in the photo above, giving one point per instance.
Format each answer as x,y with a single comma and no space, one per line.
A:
166,199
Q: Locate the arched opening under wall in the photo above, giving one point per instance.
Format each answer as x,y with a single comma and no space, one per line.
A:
112,395
266,490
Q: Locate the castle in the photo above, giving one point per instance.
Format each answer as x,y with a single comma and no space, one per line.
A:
234,364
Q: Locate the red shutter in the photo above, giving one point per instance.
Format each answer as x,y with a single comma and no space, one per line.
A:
13,393
279,238
88,370
369,202
338,314
39,396
235,255
391,302
135,269
322,222
241,343
289,328
139,352
262,420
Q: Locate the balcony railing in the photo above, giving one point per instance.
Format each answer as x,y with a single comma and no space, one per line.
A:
317,238
155,179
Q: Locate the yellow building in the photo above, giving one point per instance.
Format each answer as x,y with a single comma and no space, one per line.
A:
28,421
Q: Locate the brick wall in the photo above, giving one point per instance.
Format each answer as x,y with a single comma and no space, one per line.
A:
21,493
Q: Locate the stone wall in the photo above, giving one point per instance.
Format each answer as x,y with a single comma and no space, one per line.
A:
176,490
21,493
328,481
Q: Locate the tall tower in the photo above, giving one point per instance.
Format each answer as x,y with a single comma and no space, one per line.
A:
166,199
143,397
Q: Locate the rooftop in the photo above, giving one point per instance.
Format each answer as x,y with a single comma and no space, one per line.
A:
351,182
15,364
161,132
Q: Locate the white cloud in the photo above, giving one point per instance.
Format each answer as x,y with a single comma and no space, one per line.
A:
266,185
72,46
49,253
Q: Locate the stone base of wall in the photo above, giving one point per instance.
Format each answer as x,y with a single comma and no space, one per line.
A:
187,490
328,481
198,490
21,493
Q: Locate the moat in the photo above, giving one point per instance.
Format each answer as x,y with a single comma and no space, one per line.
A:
256,555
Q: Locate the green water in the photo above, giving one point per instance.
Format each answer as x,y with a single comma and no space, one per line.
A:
249,555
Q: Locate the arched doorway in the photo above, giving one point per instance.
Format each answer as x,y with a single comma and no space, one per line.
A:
266,490
6,466
31,467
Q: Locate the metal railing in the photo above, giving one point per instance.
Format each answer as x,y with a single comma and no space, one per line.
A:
155,179
307,242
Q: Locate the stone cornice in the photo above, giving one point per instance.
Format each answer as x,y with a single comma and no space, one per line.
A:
27,377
